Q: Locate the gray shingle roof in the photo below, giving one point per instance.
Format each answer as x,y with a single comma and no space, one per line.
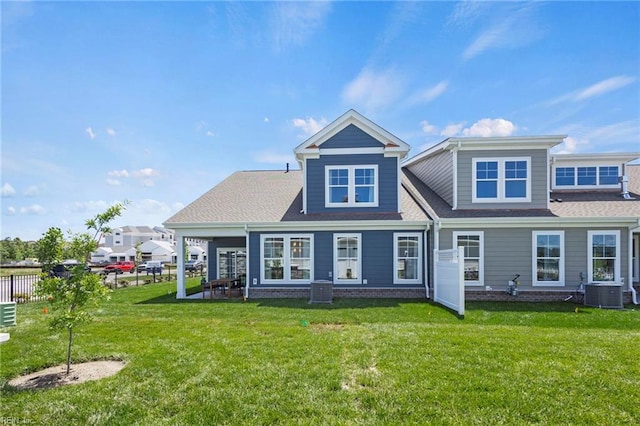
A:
269,197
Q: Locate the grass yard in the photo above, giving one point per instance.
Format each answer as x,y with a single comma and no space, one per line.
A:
353,362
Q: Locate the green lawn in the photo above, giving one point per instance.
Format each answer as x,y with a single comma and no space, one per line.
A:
352,362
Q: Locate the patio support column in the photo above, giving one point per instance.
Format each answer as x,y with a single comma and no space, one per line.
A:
181,290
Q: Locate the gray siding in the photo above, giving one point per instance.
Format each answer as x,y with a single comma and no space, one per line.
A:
351,137
539,184
387,182
508,251
437,173
377,256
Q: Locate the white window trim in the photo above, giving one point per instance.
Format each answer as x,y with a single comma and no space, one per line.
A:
480,234
397,280
286,260
534,260
501,198
590,235
358,279
575,176
351,186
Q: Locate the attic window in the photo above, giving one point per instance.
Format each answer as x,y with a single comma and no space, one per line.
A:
351,186
501,179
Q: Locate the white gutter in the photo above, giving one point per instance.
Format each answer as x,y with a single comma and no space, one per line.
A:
634,293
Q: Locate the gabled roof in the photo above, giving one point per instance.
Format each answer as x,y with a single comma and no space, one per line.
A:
269,197
388,141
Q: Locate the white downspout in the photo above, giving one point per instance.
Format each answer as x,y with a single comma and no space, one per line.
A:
181,291
248,259
634,293
426,269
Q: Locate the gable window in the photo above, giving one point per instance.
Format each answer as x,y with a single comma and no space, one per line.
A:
408,252
548,258
352,186
586,176
501,180
604,256
473,256
347,258
286,258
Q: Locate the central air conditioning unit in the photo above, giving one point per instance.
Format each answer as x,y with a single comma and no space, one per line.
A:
603,295
7,314
321,292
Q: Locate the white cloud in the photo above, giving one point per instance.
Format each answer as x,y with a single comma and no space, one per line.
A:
452,129
210,133
111,132
150,206
428,128
293,23
511,25
31,191
310,126
615,137
266,120
7,190
113,182
374,89
35,209
597,89
146,172
89,206
569,146
148,183
90,132
429,94
118,173
11,210
488,127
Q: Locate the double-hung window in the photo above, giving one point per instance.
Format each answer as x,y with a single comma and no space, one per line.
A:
286,258
501,179
604,256
347,258
548,258
408,254
473,256
352,186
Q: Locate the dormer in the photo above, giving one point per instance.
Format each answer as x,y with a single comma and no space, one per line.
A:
351,165
488,172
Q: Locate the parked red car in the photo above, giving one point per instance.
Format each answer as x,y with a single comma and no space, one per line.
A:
120,267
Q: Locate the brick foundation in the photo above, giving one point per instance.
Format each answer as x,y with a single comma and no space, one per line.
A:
416,293
348,293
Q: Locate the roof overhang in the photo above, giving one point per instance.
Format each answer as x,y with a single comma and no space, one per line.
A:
489,143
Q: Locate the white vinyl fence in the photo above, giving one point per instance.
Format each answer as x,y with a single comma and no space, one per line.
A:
448,289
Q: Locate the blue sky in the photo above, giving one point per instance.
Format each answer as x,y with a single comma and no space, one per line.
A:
156,102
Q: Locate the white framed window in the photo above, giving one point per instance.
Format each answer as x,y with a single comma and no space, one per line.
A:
593,176
473,243
347,258
351,186
604,256
548,258
407,248
501,180
286,258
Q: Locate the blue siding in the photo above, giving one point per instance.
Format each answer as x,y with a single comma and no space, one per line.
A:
351,137
377,256
387,182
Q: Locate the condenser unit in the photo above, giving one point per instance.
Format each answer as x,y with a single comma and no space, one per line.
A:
7,314
321,292
603,295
